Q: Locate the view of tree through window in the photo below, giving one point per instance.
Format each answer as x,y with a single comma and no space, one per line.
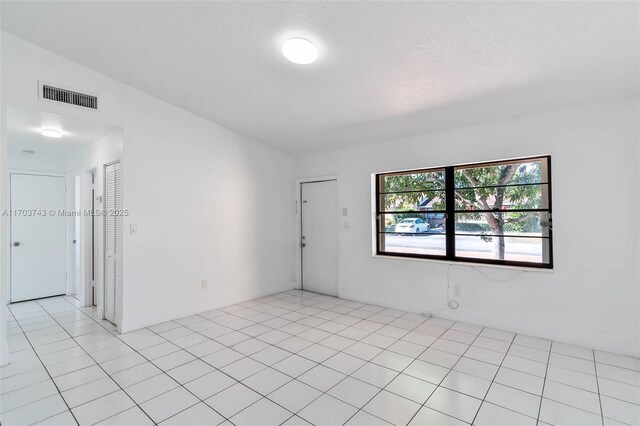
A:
492,212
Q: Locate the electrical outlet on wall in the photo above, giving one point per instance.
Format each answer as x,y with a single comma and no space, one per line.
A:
203,284
457,290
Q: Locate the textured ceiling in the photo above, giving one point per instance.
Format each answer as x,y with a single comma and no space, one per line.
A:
385,70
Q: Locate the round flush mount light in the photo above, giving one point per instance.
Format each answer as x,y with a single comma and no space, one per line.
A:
300,51
51,133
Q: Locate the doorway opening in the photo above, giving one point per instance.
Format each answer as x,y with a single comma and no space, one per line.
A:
58,214
82,283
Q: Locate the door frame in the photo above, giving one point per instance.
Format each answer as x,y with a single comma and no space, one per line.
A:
72,191
11,172
88,236
298,223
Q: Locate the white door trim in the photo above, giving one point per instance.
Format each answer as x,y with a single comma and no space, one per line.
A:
298,222
35,172
89,236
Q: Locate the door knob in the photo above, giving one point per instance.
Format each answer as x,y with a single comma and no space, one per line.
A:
16,243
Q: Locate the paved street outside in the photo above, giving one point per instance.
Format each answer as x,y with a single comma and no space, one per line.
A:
522,249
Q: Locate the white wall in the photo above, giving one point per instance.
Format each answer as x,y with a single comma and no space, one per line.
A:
591,298
37,162
105,150
4,223
209,204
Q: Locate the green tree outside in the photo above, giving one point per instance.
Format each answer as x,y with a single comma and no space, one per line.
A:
493,188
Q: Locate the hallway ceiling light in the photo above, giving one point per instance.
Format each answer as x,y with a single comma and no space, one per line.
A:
51,133
300,51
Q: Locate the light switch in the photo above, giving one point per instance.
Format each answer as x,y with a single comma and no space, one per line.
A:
133,228
344,211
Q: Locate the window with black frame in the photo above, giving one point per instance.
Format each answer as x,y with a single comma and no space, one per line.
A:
498,213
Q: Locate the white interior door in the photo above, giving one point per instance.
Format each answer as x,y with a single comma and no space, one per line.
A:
113,244
319,242
38,241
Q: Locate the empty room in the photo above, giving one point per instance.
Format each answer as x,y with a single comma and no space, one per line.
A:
263,213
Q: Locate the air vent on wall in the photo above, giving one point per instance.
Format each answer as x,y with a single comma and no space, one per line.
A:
66,96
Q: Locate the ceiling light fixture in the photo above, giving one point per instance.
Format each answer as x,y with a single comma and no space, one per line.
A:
300,51
51,133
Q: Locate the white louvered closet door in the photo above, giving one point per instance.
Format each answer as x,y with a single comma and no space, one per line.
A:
113,244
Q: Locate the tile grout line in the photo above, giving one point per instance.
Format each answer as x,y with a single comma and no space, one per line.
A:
90,356
163,371
215,368
249,356
445,376
286,304
337,352
382,325
402,371
48,373
595,366
358,409
291,354
494,378
313,343
100,366
23,372
273,345
339,313
322,393
544,383
555,381
595,376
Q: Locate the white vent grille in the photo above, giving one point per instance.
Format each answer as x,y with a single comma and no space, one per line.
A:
68,97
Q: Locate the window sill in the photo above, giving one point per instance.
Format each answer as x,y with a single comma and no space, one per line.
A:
470,264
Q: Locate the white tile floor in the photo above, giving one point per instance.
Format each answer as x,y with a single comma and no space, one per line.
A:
301,358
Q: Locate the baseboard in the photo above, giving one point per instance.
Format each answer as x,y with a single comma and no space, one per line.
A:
547,331
131,324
